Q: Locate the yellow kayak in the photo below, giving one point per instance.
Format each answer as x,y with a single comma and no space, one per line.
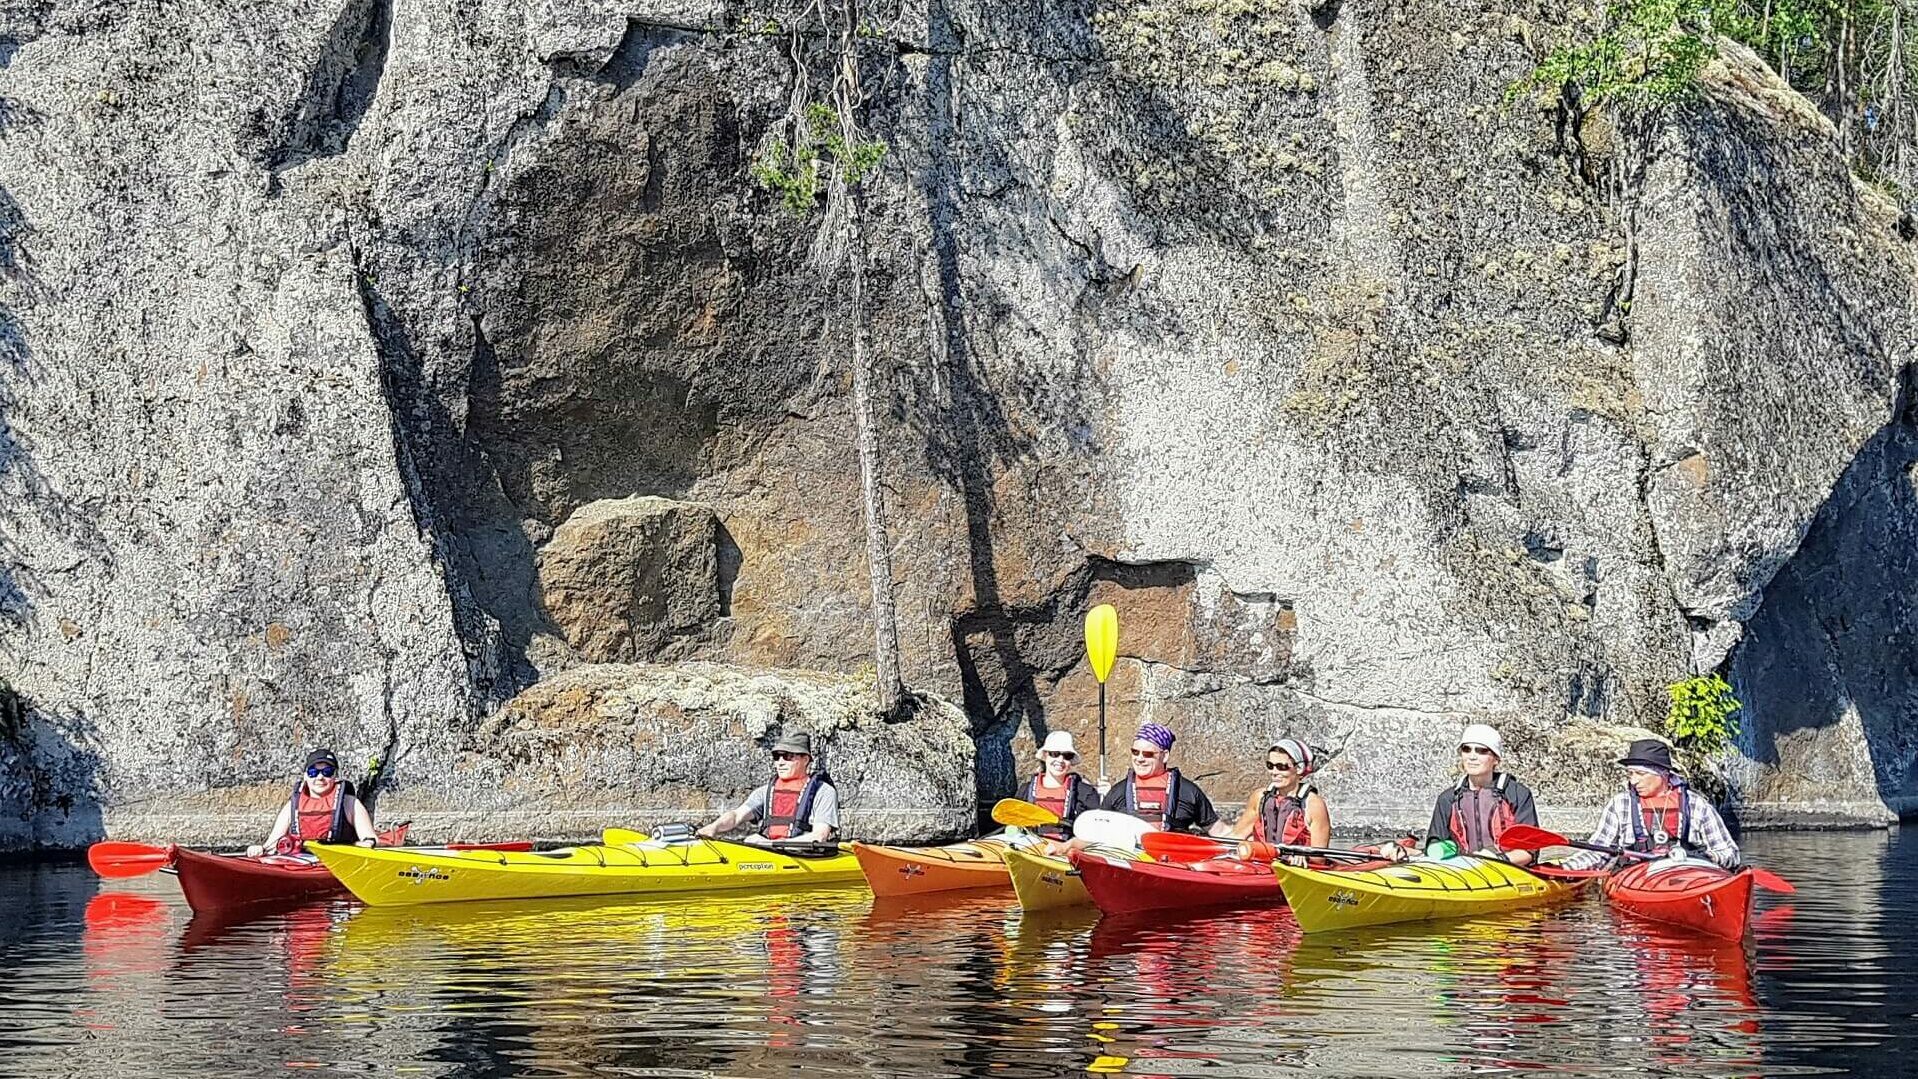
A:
1324,900
1045,883
397,877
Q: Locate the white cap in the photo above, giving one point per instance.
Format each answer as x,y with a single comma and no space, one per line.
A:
1058,742
1478,734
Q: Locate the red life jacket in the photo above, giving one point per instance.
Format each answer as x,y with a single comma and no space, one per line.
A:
1152,799
321,820
1060,803
789,805
1503,816
1283,818
1656,829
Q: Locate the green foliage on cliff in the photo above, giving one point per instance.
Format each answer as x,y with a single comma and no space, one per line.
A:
1703,717
1856,60
1647,52
798,170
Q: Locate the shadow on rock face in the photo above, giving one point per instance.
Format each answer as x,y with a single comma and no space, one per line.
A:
1830,660
48,778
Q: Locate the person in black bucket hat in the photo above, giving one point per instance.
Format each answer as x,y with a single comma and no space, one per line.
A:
1658,814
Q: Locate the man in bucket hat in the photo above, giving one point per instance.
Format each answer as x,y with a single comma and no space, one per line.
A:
1156,793
1658,814
1057,786
798,805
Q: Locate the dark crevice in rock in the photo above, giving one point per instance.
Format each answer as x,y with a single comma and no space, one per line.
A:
1836,631
730,559
339,88
425,437
1325,13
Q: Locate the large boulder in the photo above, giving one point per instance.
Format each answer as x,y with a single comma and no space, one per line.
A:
628,579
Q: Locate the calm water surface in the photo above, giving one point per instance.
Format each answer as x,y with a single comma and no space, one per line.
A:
117,978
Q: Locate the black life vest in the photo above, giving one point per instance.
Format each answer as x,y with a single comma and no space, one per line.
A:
1503,815
794,823
1282,820
1069,794
1653,839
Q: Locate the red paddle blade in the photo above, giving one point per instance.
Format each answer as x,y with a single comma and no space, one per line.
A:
1527,837
114,859
1180,847
1772,882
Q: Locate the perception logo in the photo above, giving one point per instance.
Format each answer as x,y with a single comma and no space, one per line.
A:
421,876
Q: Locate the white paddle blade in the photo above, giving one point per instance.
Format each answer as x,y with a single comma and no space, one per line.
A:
1111,828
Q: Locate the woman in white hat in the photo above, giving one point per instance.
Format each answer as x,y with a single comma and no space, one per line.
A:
1057,787
1475,811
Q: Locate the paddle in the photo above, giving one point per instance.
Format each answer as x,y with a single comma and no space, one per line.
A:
1111,828
115,859
1102,643
1014,813
1526,836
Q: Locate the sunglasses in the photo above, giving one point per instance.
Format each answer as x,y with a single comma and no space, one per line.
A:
1278,766
322,770
782,755
1475,751
1059,755
1146,754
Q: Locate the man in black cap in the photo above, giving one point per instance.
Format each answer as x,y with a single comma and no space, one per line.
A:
1657,814
795,806
321,810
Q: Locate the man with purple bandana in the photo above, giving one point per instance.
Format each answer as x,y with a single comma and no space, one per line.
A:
1156,793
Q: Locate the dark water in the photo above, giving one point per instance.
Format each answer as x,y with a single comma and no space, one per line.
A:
117,979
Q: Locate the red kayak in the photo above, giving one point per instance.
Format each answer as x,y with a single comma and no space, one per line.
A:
1695,894
1126,887
224,881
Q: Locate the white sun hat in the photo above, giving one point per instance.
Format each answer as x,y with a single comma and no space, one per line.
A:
1478,734
1058,742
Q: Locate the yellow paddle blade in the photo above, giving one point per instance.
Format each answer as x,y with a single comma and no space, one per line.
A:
619,837
1102,639
1014,813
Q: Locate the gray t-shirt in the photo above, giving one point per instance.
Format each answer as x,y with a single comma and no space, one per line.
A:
825,808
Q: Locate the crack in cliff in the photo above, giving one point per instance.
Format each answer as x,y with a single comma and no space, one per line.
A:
339,89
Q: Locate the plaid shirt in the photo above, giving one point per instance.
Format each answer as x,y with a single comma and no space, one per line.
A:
1708,833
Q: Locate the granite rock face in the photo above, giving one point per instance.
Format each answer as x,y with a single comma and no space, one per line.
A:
1376,403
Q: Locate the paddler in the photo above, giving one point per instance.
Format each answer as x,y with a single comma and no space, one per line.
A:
1287,811
1657,814
321,810
1474,812
799,805
1155,792
1057,786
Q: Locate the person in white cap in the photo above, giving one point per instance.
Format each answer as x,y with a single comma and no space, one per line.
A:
1475,811
1287,810
1057,787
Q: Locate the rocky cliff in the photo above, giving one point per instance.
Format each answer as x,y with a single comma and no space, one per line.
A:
381,370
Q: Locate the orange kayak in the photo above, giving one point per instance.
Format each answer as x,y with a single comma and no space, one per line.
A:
894,871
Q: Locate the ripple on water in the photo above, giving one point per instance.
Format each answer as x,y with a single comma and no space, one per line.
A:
123,981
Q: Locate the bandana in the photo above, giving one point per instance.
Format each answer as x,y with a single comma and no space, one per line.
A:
1157,735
